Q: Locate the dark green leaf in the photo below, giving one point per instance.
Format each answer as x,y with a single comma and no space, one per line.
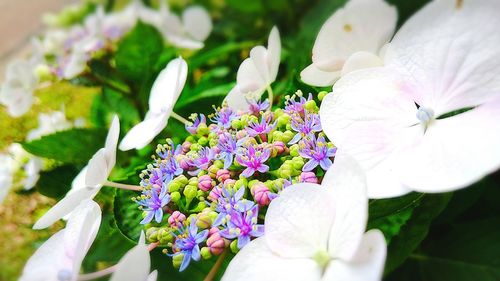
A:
215,92
127,214
55,183
384,207
71,146
109,103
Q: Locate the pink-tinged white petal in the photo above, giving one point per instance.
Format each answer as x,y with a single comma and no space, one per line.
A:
368,118
249,79
347,182
314,76
197,22
257,262
361,60
449,49
454,152
362,25
236,100
134,265
97,170
143,133
274,53
65,206
32,171
367,264
168,86
153,275
298,222
112,142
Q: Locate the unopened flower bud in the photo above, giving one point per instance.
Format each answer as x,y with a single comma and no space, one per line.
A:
216,243
177,260
215,193
260,193
205,253
173,186
186,147
183,161
165,236
241,134
195,147
298,163
322,95
152,234
190,192
222,175
294,150
241,182
212,171
287,136
203,141
204,219
308,177
202,130
176,218
229,183
311,106
279,146
175,196
283,120
234,246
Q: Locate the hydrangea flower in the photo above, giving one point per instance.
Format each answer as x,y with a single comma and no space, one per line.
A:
316,232
6,176
292,106
393,119
61,256
261,128
164,93
153,203
256,73
187,242
352,38
228,146
192,127
317,151
229,201
224,116
202,160
242,225
256,107
16,92
253,159
305,127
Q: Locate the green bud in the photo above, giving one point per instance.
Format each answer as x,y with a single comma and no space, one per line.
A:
152,234
236,124
204,220
298,163
219,164
190,191
202,130
175,196
294,150
284,120
174,186
241,182
195,147
191,139
311,106
203,141
193,181
252,183
177,260
164,236
42,71
277,136
205,253
213,142
182,179
287,136
234,246
322,95
212,171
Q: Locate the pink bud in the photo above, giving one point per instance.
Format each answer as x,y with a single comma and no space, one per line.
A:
241,134
213,230
222,175
176,218
308,177
183,161
279,146
229,183
216,243
216,149
215,193
260,193
205,183
186,147
213,127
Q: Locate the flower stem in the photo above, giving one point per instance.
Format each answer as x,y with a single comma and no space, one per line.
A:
123,186
270,96
97,274
216,267
179,118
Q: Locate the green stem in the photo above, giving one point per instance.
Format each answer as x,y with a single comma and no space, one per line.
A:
123,186
211,275
179,118
270,96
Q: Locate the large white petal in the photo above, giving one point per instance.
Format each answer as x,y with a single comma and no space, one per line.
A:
249,78
153,275
65,206
134,266
260,58
32,171
368,118
97,169
314,76
236,100
112,142
454,152
274,53
362,25
368,264
257,262
298,222
168,86
197,22
361,60
6,177
450,50
143,133
347,183
17,98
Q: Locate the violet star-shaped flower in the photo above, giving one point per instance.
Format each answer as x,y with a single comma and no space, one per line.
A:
191,128
253,159
305,127
293,107
260,128
255,107
317,151
154,204
228,146
224,116
231,200
202,160
187,243
243,226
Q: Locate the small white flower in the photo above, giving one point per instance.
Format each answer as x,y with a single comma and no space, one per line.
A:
445,58
60,257
256,73
96,174
49,123
316,232
17,91
6,177
164,93
32,172
351,39
135,264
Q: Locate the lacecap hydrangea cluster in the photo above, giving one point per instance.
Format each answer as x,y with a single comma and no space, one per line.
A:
210,193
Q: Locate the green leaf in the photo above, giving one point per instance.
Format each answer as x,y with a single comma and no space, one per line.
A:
71,146
138,52
413,232
215,92
221,51
379,208
467,251
109,103
127,214
56,183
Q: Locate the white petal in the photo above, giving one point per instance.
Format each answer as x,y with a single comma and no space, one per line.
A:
75,64
368,264
362,25
346,180
6,163
79,181
134,265
111,143
314,76
143,133
450,49
17,99
257,262
260,58
65,206
197,22
153,275
298,222
97,169
274,53
168,86
361,60
236,100
249,78
454,152
182,41
32,171
367,118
